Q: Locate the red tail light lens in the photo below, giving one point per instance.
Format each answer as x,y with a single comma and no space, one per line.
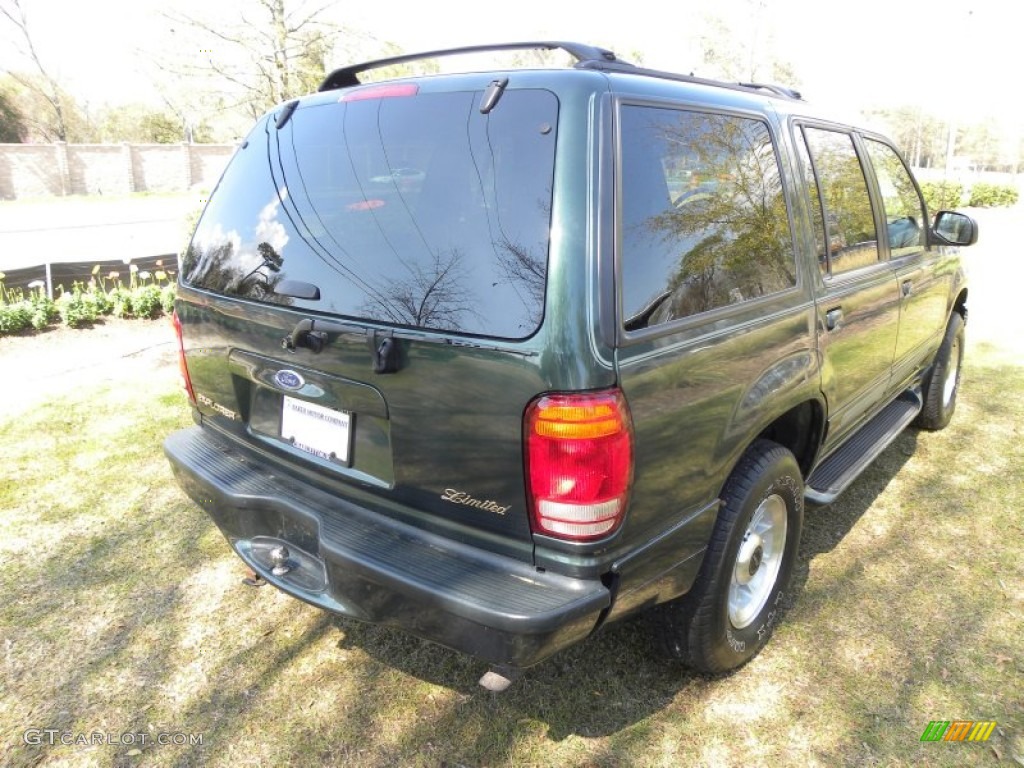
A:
580,464
185,378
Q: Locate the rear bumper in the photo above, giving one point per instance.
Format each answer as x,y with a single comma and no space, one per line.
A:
349,560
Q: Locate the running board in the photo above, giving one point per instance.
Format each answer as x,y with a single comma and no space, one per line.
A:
834,474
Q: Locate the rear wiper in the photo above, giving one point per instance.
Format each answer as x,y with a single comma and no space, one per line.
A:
286,114
492,95
297,289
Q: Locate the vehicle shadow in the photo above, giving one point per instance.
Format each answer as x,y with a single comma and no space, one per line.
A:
616,678
825,527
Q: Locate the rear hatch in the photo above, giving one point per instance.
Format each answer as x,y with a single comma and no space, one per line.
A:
360,292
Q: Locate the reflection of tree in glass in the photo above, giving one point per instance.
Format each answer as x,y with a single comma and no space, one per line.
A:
217,268
733,233
903,213
434,298
525,272
851,224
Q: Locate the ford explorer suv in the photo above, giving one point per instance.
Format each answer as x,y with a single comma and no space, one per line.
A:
498,358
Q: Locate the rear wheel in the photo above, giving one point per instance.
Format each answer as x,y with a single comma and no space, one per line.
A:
729,614
943,382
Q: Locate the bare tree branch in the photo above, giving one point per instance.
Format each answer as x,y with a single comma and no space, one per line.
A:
16,15
273,52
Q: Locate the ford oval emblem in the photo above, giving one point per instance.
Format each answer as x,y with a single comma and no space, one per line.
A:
289,380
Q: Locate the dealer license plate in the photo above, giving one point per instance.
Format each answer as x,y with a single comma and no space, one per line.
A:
320,431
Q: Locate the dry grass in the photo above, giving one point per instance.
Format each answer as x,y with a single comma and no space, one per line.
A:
121,611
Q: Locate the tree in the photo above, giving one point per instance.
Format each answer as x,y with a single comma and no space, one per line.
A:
26,92
269,54
44,86
919,135
11,125
982,143
139,123
743,49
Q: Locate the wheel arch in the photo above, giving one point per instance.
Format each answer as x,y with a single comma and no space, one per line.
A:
960,304
801,430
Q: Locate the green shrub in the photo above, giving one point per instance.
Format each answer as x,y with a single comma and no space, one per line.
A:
15,317
985,195
100,300
167,294
146,301
152,294
44,310
76,309
122,302
942,195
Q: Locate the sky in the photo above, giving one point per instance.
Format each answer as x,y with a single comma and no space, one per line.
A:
943,55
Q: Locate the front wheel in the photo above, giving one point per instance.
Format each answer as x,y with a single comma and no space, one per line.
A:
729,614
943,382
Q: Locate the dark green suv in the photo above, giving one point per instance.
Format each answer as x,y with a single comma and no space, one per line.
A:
501,357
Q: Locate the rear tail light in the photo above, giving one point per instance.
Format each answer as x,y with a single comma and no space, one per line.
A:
182,366
579,458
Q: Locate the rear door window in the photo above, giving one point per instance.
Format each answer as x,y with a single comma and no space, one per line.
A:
704,223
416,211
844,205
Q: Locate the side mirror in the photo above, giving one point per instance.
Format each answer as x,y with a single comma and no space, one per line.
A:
952,228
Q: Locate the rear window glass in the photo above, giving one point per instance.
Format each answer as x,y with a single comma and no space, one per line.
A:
413,210
703,214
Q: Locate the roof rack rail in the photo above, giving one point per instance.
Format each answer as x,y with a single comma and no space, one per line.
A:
584,54
781,90
587,57
620,66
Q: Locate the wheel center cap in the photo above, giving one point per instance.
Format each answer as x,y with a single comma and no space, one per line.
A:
755,560
749,558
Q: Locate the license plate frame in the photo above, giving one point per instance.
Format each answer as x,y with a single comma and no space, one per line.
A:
317,430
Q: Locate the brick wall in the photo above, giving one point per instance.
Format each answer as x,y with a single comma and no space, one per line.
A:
38,170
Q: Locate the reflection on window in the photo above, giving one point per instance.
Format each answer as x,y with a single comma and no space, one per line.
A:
814,201
416,211
904,211
704,222
853,242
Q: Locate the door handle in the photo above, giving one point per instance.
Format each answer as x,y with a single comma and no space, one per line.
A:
906,287
833,317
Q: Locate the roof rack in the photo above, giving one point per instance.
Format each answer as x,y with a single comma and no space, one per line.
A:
587,57
621,66
779,90
349,76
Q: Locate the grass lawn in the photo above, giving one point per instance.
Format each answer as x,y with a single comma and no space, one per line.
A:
122,612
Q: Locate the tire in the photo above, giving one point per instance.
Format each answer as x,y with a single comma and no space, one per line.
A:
942,383
730,612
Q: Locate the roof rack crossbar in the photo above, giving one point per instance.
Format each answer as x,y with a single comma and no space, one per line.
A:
349,76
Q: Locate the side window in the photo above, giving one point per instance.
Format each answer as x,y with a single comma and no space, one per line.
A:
703,215
849,222
904,210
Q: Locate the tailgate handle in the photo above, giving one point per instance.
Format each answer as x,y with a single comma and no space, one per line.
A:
384,351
